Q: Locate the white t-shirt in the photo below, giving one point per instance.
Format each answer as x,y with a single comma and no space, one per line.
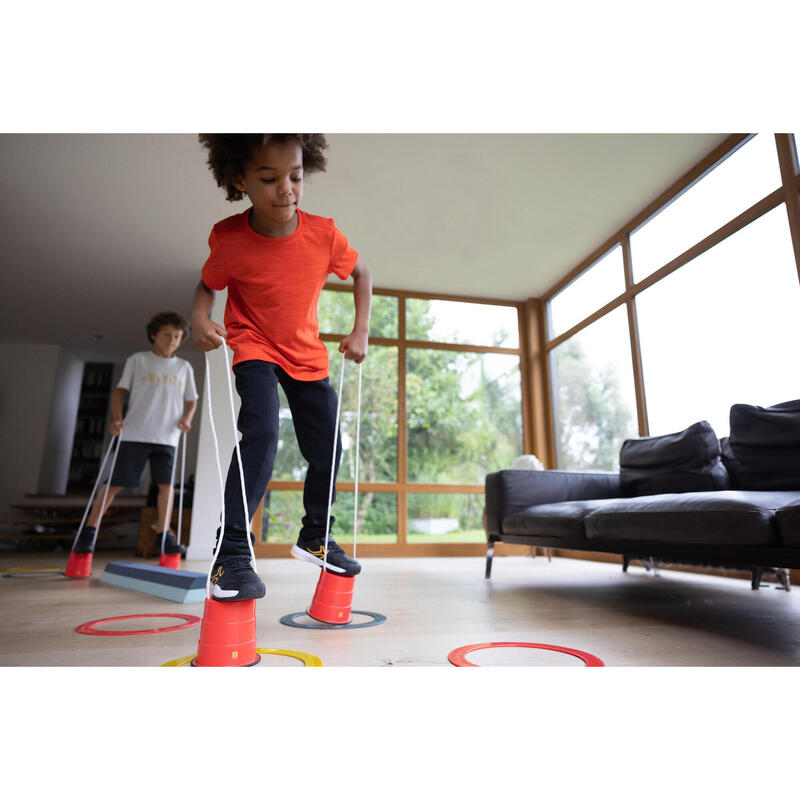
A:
157,390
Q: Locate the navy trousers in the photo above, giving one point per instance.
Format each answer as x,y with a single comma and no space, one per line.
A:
313,407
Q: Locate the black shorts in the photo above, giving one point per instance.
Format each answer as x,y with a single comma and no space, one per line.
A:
132,457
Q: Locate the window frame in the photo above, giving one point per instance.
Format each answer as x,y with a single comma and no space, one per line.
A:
402,487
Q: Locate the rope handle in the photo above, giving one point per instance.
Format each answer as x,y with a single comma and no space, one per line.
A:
115,440
219,467
333,464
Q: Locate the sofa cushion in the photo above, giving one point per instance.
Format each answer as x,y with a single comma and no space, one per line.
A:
564,520
766,445
788,521
729,461
708,518
686,461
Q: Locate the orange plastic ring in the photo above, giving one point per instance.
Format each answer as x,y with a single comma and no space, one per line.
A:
457,656
88,627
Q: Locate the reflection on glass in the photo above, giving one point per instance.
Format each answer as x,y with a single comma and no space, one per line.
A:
592,289
462,323
723,329
337,314
464,415
377,517
742,179
445,518
593,395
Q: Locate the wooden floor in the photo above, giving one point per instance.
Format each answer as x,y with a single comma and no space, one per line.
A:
432,605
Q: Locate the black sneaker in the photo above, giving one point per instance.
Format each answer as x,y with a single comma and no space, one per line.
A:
233,578
313,551
85,542
171,545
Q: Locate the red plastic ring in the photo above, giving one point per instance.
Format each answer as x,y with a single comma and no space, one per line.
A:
88,627
456,657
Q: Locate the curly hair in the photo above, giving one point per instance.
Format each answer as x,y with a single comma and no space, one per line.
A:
228,153
167,318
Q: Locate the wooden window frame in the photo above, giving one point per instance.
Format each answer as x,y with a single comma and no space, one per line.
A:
787,193
402,487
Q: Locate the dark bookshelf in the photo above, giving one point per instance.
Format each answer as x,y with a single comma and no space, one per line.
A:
90,426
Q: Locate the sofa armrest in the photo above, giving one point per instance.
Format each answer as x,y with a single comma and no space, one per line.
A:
512,490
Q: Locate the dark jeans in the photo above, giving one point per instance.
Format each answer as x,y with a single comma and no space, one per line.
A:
313,407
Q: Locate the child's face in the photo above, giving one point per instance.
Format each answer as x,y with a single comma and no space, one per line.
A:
273,180
167,340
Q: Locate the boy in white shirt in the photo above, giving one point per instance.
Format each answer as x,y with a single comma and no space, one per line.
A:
162,402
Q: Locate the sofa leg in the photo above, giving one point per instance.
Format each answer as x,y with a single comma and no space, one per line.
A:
783,578
489,555
626,560
756,581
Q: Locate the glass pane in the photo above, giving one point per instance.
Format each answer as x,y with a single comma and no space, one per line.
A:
337,314
592,289
377,517
744,178
378,434
445,518
287,508
723,329
594,402
461,323
464,415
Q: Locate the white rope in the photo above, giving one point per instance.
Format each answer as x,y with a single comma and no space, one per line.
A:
358,435
108,484
180,496
239,458
219,473
111,442
219,469
333,467
168,509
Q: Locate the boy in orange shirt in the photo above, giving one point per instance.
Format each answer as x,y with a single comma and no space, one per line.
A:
274,260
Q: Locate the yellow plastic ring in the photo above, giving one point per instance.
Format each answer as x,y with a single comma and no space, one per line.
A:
31,570
307,659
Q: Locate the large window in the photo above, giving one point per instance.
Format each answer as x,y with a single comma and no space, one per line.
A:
723,329
456,374
744,177
698,337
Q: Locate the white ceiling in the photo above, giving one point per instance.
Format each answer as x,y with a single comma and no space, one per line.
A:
98,232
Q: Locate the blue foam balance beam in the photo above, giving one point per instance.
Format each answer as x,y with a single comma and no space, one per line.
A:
178,585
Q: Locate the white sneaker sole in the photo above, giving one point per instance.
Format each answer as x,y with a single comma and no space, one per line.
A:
304,555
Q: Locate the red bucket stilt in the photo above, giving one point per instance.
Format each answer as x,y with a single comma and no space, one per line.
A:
79,565
333,598
227,634
171,560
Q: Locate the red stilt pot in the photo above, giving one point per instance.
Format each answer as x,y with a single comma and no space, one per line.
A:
227,635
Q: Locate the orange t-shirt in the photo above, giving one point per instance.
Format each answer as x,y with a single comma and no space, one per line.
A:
274,287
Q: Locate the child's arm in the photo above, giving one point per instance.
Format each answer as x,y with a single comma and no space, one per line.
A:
185,422
117,399
206,333
354,345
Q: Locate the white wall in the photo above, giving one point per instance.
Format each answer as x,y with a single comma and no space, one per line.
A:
27,380
64,402
207,493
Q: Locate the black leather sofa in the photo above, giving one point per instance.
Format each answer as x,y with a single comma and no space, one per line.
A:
684,498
